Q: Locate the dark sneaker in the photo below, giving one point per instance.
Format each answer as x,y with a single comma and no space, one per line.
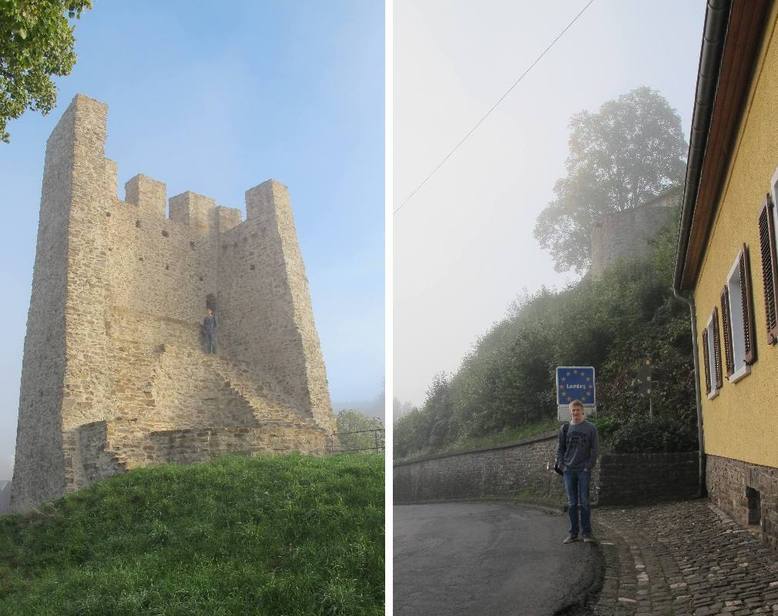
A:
588,539
570,539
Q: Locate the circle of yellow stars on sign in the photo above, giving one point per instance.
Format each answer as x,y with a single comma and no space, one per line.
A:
565,396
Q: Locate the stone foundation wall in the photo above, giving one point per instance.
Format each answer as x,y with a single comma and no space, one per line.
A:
503,471
644,478
730,482
107,449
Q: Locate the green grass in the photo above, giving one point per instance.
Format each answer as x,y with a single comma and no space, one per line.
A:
284,535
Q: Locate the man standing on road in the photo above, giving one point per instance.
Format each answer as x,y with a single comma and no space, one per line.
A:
576,456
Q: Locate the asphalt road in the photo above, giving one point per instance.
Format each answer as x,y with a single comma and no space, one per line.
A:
495,559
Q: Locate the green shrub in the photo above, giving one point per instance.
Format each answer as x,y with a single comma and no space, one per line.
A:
606,426
616,323
658,435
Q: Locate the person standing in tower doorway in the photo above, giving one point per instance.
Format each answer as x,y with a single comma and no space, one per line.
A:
576,457
209,331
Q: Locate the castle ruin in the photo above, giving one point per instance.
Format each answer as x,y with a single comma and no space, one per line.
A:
114,374
628,234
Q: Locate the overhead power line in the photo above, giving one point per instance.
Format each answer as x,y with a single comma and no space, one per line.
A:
493,107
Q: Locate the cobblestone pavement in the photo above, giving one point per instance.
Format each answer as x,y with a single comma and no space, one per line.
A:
683,558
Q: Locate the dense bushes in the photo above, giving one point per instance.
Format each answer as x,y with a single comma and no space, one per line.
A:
614,323
644,435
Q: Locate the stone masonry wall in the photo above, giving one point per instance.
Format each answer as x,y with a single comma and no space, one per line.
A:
645,478
106,450
113,351
628,234
731,482
503,472
39,465
618,479
266,302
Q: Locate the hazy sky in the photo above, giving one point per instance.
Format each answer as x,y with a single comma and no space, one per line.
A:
463,245
217,101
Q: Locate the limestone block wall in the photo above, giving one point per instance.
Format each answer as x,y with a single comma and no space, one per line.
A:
265,301
113,351
107,449
188,446
38,469
158,266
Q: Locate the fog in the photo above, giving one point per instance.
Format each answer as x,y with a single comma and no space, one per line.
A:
463,244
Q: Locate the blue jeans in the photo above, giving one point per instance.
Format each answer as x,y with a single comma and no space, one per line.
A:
577,488
210,343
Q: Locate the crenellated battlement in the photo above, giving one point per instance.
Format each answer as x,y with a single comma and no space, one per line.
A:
120,289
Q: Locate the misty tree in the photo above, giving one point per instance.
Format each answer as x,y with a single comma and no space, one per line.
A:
620,157
36,42
358,431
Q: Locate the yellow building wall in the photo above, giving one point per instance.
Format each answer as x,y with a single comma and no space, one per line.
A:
742,421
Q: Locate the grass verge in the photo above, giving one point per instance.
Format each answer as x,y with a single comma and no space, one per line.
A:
505,437
281,535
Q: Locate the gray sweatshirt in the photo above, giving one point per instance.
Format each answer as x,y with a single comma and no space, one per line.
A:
578,451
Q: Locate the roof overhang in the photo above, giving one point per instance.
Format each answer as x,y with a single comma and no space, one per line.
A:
731,42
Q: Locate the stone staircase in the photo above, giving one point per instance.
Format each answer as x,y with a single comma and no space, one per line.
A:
173,402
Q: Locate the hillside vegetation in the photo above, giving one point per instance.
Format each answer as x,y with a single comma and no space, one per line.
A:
285,535
505,387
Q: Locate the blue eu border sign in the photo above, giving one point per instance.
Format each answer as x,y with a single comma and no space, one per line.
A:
575,383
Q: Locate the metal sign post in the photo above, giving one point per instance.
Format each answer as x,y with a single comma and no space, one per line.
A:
575,383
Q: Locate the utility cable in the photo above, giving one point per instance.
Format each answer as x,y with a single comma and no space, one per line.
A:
493,107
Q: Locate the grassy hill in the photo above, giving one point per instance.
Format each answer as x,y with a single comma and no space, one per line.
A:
620,323
281,535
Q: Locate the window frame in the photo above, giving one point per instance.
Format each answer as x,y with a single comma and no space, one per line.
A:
741,320
712,356
768,251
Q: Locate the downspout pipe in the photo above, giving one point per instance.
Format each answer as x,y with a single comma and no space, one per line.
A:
702,490
714,33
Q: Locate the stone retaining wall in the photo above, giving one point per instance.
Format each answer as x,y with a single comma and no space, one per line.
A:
647,478
502,471
521,470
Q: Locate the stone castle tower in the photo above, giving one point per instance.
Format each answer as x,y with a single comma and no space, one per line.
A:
628,234
114,374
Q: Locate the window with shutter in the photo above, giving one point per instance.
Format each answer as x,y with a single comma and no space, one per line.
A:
749,339
712,352
730,359
740,317
706,358
769,265
716,349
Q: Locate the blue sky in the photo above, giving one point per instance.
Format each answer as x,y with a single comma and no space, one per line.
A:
217,101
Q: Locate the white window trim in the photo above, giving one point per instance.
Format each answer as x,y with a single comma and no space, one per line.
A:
739,331
774,192
714,391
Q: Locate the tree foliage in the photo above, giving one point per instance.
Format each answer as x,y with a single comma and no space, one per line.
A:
613,323
357,431
36,42
620,157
